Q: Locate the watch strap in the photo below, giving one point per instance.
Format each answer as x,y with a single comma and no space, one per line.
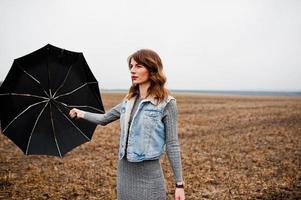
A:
180,185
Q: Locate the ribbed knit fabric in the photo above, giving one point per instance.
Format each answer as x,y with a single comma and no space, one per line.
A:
140,180
172,141
145,180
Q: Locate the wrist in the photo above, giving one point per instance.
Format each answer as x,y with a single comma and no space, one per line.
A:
82,114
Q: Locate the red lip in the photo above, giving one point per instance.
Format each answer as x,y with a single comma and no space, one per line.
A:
134,77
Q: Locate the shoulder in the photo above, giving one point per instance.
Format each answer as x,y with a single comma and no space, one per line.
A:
126,99
170,98
171,105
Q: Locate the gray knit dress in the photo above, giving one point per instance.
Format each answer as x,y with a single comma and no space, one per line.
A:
145,180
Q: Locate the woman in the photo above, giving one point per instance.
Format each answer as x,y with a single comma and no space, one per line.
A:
148,124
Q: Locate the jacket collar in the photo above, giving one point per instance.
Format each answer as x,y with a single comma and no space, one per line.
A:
149,98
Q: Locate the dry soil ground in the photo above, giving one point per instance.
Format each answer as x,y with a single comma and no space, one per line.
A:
233,147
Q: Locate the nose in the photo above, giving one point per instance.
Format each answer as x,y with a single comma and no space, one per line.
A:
133,71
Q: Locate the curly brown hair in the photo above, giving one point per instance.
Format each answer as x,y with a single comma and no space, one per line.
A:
152,62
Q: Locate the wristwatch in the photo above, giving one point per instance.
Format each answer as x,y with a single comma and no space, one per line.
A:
180,185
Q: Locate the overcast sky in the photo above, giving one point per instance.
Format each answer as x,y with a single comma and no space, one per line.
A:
204,45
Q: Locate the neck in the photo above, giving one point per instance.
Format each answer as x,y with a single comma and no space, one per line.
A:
143,89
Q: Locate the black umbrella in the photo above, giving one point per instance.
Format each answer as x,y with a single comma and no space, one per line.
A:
37,95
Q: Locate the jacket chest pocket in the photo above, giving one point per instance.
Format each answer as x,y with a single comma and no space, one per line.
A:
151,117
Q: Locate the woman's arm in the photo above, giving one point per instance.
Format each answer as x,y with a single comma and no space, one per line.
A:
173,147
172,143
102,119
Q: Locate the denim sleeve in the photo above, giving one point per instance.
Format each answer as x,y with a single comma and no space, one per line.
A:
104,119
172,142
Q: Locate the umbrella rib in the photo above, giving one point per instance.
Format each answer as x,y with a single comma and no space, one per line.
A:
33,78
23,112
29,140
54,133
26,95
73,124
83,85
84,106
63,83
48,73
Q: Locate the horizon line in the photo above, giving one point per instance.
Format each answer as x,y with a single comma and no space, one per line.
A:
211,90
215,90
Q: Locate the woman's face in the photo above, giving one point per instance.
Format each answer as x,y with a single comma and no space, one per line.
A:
139,73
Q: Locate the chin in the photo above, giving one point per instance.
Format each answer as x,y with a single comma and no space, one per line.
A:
136,82
139,82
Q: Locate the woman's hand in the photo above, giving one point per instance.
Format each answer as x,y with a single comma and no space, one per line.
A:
179,194
76,113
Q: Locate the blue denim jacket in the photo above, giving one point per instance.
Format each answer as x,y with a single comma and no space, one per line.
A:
146,139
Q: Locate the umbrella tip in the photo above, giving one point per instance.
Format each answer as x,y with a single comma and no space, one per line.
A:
48,46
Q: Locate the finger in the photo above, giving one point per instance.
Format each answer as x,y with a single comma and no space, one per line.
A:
73,115
72,110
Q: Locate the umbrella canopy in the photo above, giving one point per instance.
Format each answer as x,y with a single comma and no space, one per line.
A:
37,95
